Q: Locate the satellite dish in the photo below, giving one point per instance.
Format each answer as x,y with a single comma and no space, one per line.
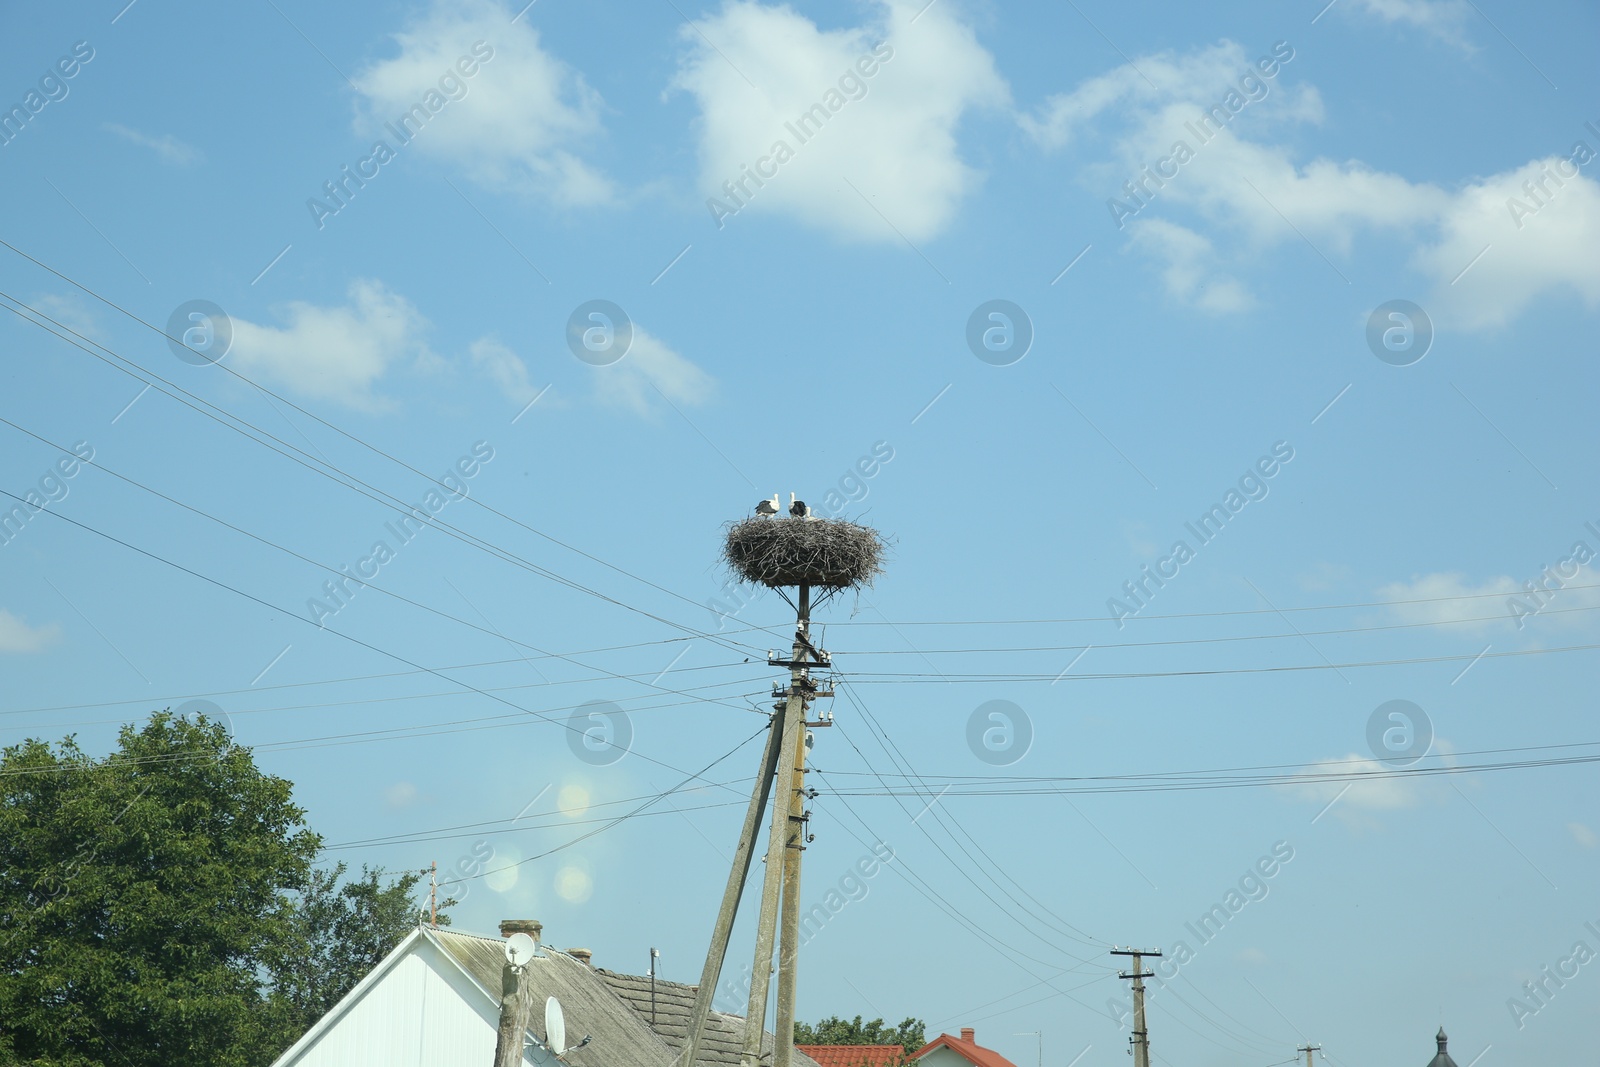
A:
555,1026
520,948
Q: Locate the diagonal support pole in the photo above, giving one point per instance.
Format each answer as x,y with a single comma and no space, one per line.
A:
737,876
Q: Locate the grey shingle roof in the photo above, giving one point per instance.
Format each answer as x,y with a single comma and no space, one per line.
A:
673,1005
612,1008
621,1038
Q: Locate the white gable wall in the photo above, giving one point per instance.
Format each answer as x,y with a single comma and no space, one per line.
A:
418,1011
944,1056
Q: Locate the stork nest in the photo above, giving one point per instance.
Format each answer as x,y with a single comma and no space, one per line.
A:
827,553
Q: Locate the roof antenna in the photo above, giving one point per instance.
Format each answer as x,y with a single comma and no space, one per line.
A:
654,955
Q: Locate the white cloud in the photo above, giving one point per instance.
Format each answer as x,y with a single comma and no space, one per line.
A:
18,637
891,135
1562,601
1368,794
1189,259
650,371
168,147
1531,249
401,794
335,353
504,367
1322,576
71,311
1242,185
517,122
1451,598
1443,19
1162,92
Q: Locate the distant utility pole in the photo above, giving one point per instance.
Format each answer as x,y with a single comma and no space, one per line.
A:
1308,1050
1141,1036
433,894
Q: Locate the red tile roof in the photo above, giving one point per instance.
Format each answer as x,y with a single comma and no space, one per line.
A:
855,1055
971,1051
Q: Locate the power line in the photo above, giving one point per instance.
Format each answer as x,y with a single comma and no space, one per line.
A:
1006,951
325,567
332,472
967,1017
1158,784
421,839
1249,1047
299,556
898,756
336,429
913,678
348,637
153,701
406,733
955,864
625,817
430,835
1299,635
1357,761
1101,619
331,570
966,1014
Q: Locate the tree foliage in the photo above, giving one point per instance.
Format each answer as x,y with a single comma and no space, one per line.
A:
833,1030
336,935
160,905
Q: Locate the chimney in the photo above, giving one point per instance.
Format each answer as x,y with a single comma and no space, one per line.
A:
967,1033
582,955
531,927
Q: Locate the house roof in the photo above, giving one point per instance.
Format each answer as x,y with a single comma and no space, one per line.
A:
674,1003
612,1008
855,1055
971,1051
621,1037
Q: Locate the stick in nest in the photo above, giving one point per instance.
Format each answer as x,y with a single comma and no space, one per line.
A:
827,553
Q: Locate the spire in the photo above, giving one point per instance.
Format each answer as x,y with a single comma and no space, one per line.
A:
1442,1059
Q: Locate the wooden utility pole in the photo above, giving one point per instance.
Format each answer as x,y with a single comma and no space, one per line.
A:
508,1037
833,556
514,996
782,877
1141,1035
789,950
800,690
1308,1050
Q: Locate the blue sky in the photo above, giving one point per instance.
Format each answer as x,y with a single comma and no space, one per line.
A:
1198,321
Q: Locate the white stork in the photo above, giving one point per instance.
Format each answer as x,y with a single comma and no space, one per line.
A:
798,508
768,507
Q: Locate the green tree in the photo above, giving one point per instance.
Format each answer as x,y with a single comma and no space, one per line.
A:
336,935
159,906
833,1030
